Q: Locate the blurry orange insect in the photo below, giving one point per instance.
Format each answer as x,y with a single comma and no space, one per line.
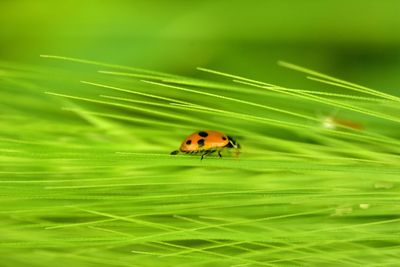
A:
333,122
206,142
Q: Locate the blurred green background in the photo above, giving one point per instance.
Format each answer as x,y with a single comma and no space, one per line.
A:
87,180
354,40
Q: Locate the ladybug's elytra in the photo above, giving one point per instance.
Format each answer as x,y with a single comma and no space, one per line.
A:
206,142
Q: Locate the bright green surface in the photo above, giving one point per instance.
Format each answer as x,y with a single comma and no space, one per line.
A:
357,40
86,178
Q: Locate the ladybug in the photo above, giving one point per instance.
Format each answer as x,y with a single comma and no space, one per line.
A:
206,142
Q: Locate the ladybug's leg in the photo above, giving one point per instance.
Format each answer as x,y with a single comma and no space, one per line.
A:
219,154
174,152
206,152
209,152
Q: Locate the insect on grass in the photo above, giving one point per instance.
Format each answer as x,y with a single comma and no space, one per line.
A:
206,143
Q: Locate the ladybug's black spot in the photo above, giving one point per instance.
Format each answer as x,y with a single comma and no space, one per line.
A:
203,134
188,142
200,142
223,138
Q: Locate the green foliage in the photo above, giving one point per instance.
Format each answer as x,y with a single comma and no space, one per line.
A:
87,179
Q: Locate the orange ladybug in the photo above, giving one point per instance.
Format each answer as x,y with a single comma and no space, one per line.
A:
206,142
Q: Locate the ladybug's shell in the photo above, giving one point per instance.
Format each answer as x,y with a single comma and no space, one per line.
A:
204,140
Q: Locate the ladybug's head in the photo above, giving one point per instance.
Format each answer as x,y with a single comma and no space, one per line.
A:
233,143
